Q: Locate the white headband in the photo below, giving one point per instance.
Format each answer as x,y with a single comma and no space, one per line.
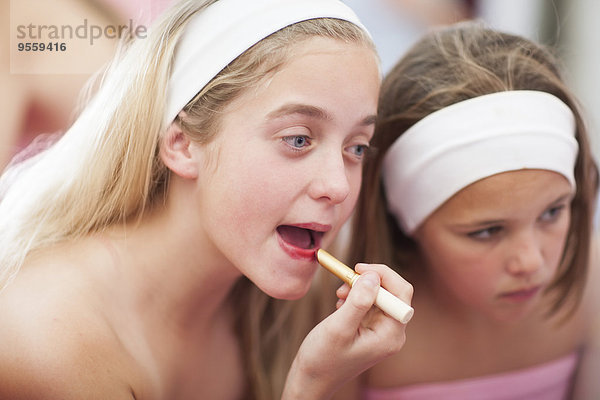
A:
217,35
471,140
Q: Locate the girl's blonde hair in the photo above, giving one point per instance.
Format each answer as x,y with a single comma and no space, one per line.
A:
106,168
445,67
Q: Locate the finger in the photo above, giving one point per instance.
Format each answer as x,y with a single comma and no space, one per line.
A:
360,300
390,280
342,291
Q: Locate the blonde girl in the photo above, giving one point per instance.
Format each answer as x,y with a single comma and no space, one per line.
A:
218,154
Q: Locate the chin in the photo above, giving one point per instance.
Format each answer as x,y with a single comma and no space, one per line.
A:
513,316
288,292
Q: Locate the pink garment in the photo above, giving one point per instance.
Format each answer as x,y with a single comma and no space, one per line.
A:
550,381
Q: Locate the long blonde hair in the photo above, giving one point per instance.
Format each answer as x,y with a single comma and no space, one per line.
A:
106,169
103,170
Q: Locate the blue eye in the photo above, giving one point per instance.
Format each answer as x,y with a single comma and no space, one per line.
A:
360,150
484,234
297,142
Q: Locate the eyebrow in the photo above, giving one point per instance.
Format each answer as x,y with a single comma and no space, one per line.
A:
476,224
312,112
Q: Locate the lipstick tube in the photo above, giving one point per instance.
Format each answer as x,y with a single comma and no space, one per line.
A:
385,301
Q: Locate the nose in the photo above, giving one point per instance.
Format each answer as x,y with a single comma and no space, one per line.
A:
330,180
527,255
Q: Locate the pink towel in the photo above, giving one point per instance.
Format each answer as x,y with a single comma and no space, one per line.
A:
550,381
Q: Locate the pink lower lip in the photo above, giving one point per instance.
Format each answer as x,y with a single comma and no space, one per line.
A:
521,295
295,252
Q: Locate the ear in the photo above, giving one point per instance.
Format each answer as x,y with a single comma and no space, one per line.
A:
176,152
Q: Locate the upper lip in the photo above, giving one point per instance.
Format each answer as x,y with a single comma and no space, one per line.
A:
313,226
522,290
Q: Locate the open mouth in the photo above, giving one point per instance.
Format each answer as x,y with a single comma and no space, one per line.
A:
302,238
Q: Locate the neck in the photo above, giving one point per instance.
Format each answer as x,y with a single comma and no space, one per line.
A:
174,277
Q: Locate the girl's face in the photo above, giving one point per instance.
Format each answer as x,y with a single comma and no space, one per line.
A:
283,173
495,246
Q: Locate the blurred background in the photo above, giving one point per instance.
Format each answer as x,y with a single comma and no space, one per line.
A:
571,27
40,90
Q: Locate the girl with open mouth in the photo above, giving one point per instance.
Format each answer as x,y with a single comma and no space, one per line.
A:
218,155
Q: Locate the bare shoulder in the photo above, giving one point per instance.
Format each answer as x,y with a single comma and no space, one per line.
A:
55,344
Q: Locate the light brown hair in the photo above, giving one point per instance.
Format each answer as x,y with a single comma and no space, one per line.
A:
447,66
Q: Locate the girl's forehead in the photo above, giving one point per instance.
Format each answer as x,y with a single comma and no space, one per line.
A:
317,71
510,192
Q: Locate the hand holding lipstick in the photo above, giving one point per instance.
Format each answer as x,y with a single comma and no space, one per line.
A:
386,301
352,339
